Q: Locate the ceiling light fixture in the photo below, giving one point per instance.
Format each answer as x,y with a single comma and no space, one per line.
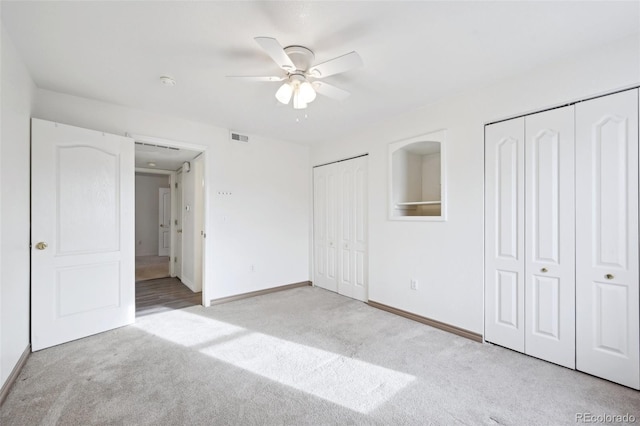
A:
151,164
307,92
297,88
298,63
284,93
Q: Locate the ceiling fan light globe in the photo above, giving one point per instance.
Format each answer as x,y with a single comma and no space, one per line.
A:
283,95
298,101
307,92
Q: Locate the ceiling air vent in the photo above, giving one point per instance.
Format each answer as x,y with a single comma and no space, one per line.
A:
238,137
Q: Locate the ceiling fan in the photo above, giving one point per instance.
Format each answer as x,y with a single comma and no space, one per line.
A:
302,78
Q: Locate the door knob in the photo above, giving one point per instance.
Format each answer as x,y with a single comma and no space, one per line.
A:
609,276
179,231
544,270
41,245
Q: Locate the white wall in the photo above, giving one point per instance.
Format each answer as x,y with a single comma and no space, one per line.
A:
147,212
266,217
17,91
447,257
199,197
264,223
431,177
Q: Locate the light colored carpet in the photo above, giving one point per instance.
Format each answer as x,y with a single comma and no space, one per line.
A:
151,267
302,356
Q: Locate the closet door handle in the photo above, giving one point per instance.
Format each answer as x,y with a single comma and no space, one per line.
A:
609,276
544,270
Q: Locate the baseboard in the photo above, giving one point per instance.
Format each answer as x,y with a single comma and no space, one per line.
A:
428,321
259,292
14,374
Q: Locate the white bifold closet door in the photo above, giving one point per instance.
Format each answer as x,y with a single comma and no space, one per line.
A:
529,274
549,236
504,234
607,238
340,227
325,227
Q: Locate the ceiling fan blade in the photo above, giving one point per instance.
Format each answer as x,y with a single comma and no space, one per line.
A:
330,91
337,65
255,78
276,52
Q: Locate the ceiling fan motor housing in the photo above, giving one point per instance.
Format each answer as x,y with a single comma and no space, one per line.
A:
301,57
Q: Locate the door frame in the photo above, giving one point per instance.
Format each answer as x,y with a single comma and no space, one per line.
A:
206,300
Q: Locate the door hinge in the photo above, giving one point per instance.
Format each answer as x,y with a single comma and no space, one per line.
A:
175,221
175,259
176,184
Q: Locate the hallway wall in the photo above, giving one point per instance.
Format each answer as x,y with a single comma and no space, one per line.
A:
147,199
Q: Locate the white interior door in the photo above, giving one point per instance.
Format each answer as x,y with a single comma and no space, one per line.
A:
325,227
550,236
607,313
504,234
352,238
82,263
164,221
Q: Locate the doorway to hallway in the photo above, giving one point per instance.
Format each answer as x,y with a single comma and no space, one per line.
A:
170,213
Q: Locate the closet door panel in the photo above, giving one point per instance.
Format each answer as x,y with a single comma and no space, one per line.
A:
331,214
347,218
549,237
353,228
607,296
319,223
360,229
504,234
325,227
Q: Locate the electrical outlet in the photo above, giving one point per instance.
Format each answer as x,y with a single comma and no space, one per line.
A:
414,284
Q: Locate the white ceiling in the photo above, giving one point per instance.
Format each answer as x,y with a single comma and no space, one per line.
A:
414,53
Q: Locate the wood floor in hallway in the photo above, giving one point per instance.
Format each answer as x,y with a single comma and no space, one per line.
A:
164,294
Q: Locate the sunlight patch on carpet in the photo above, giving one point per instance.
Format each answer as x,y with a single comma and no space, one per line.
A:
345,381
340,379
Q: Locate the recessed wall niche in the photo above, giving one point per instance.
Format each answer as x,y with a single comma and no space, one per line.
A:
417,178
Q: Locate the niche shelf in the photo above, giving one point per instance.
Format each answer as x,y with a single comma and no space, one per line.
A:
417,178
